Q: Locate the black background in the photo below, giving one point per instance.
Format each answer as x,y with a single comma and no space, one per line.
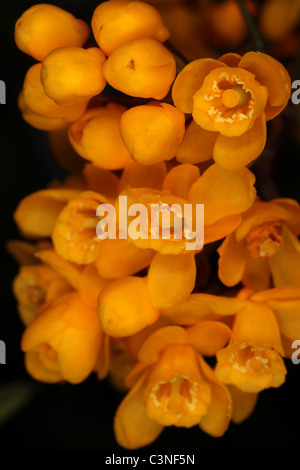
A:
66,417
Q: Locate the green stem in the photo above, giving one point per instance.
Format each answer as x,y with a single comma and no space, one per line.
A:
259,43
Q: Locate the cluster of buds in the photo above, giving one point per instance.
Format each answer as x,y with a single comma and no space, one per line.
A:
137,308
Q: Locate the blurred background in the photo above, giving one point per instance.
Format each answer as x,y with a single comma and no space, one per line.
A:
65,417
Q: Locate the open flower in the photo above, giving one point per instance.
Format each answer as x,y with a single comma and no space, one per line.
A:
36,285
63,342
265,246
262,322
230,99
173,385
74,233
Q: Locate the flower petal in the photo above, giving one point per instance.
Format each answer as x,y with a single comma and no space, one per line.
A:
217,419
243,404
232,261
234,153
157,341
285,264
171,279
265,69
197,144
223,192
118,258
189,80
208,337
180,178
125,307
133,428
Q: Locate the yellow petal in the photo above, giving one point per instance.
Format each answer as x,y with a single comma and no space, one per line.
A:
171,279
203,306
180,178
133,428
118,258
157,341
243,404
234,153
207,337
197,145
189,80
218,416
285,264
125,308
223,192
232,261
265,69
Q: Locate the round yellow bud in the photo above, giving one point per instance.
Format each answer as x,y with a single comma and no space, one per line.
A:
39,122
37,100
71,74
153,132
44,27
143,68
117,22
96,137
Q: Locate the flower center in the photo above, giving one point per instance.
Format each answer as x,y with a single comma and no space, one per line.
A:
235,96
179,401
264,241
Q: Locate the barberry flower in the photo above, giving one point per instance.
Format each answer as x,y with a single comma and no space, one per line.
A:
125,307
43,27
173,385
63,342
142,68
117,22
36,214
96,137
39,103
153,132
71,75
34,286
74,233
230,100
264,246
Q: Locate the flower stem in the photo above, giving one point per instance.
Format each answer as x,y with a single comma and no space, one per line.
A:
259,43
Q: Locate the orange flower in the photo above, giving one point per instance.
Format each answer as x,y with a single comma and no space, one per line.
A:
36,214
225,195
261,322
34,30
230,99
39,103
265,245
71,75
153,132
63,342
117,22
74,233
96,137
39,122
173,385
35,286
125,307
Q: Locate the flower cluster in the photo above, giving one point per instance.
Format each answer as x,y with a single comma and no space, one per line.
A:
136,309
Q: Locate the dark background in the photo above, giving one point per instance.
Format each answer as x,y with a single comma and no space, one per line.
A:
66,417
